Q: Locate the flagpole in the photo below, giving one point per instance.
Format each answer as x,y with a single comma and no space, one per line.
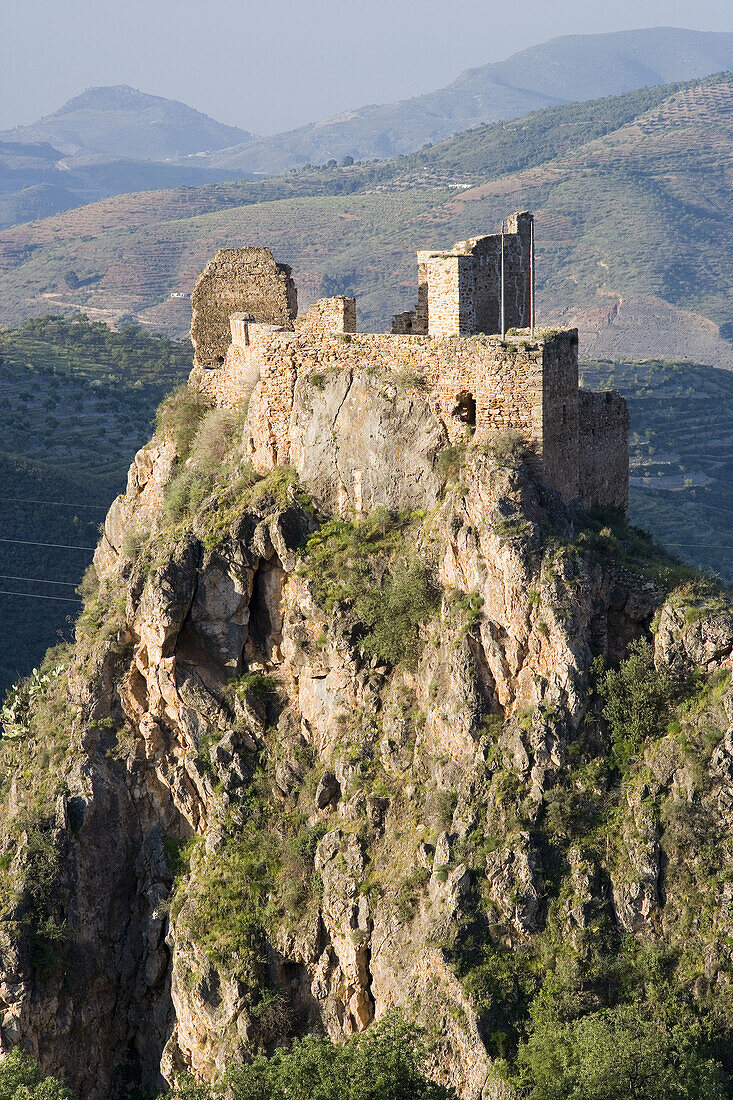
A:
531,277
502,280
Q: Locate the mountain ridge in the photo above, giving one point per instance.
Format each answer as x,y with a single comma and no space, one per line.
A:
76,126
502,89
147,141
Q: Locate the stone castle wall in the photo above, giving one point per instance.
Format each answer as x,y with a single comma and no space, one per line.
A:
329,315
446,350
561,418
603,453
459,290
478,386
238,280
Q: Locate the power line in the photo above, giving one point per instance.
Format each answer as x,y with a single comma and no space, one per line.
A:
697,545
37,596
40,580
56,503
51,545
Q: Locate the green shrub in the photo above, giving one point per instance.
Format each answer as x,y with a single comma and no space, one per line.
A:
648,1051
451,461
638,700
391,616
185,493
45,929
227,908
368,565
213,439
21,1079
257,684
385,1063
179,416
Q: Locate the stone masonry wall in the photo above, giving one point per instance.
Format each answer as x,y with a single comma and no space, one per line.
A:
560,414
230,386
329,315
459,291
476,386
603,451
486,253
250,352
238,280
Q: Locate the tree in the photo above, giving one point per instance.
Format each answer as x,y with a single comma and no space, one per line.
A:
21,1079
638,700
382,1064
650,1051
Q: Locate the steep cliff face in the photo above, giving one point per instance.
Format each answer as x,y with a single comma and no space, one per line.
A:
300,769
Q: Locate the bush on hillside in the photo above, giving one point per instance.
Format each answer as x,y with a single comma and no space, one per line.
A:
650,1051
383,1064
179,416
638,700
21,1079
213,439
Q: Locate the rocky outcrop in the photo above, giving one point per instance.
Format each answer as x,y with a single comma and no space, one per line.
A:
267,827
690,636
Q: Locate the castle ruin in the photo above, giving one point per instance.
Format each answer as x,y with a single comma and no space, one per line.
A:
459,291
251,347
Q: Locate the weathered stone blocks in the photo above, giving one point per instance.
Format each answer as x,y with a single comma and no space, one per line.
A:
603,455
329,315
238,280
459,290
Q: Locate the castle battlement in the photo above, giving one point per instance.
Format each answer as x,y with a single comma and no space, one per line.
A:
478,384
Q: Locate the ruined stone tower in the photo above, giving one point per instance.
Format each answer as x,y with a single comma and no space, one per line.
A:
238,280
459,290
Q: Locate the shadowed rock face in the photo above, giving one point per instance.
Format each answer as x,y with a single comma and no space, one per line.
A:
238,280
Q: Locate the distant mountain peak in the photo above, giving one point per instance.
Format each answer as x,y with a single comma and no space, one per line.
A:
122,121
119,97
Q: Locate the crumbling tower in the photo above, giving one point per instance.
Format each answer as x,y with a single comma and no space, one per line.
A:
460,290
238,280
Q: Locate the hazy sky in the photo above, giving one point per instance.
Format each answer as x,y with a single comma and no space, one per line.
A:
270,65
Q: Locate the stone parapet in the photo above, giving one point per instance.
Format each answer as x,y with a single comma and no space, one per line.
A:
329,315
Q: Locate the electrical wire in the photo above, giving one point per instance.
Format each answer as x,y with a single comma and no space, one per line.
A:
34,580
697,545
51,545
55,503
38,596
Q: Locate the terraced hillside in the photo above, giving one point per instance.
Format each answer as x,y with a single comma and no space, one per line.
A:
76,401
633,226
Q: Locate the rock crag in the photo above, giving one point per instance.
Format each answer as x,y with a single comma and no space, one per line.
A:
259,822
